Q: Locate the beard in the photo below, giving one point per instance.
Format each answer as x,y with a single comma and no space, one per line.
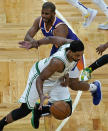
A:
76,60
48,20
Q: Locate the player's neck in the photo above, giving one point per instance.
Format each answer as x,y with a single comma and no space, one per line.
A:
49,23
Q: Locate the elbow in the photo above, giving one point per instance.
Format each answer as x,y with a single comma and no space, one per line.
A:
39,80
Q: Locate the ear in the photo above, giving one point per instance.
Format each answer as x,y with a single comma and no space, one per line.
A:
54,13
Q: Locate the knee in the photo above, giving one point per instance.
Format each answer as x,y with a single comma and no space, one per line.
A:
20,112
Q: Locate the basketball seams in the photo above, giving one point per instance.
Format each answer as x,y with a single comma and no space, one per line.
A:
58,114
60,110
67,106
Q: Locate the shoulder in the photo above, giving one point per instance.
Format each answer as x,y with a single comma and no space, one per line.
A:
60,55
60,24
57,63
61,29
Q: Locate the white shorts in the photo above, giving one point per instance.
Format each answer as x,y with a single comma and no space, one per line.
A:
30,95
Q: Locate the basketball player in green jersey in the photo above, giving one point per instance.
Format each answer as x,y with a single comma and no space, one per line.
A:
52,76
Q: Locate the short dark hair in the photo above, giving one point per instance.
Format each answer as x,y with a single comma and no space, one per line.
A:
75,46
48,5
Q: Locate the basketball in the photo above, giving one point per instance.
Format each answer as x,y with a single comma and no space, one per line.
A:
60,110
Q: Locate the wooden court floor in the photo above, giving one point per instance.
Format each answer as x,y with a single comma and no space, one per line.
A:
16,16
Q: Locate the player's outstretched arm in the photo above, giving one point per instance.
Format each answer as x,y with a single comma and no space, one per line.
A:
47,40
54,40
76,85
100,49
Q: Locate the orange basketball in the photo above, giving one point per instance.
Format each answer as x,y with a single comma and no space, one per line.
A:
60,110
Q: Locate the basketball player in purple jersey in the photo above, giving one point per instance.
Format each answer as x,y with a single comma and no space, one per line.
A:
50,25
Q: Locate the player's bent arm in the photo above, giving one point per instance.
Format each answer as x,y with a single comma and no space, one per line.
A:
62,31
59,38
47,40
55,65
76,85
32,31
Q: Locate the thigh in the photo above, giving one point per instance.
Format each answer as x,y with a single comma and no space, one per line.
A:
30,94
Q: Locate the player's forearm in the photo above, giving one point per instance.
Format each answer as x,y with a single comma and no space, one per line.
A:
59,40
28,38
44,41
47,40
37,43
78,85
39,86
106,45
54,40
